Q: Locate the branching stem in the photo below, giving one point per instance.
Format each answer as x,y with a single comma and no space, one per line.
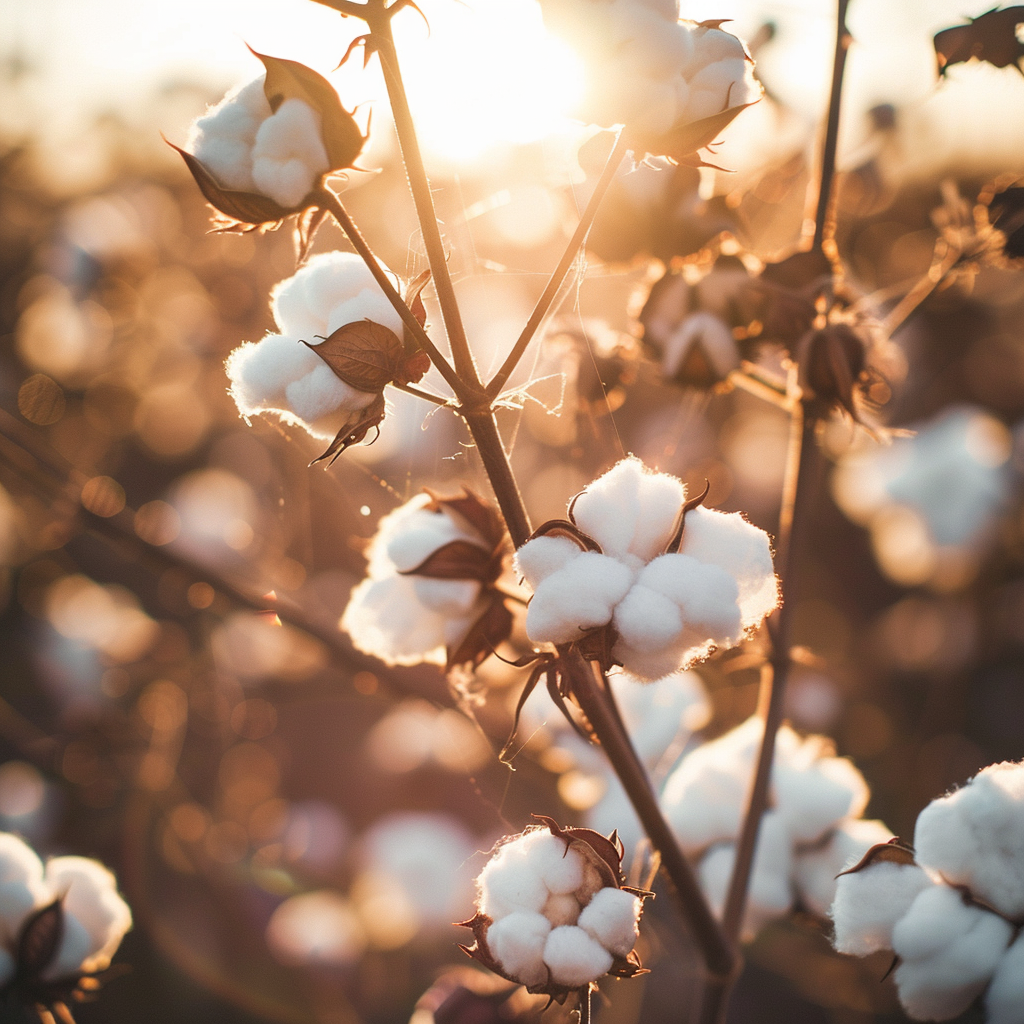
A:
822,218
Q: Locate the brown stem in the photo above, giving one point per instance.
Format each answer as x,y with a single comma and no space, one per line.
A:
379,20
427,396
828,154
590,689
584,1005
333,205
540,311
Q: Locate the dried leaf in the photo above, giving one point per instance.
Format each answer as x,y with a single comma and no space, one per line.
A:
413,367
457,560
288,79
306,228
481,515
365,355
892,852
680,143
991,37
353,433
245,207
39,939
494,627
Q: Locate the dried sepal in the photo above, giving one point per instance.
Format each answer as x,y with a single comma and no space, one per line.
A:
832,363
287,80
991,37
306,226
456,560
490,630
39,940
354,431
895,851
682,143
480,514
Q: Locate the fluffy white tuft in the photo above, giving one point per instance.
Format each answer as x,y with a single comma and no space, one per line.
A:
575,958
289,156
517,942
21,885
612,917
1004,1001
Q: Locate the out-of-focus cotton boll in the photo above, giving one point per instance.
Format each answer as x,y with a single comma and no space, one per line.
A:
669,609
953,477
404,618
817,866
975,837
94,916
948,952
284,377
250,148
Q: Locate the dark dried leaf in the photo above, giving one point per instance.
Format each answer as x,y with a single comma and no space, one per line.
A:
799,271
413,366
991,37
288,79
494,627
563,528
481,515
306,227
245,207
892,852
39,940
365,355
352,434
457,560
681,143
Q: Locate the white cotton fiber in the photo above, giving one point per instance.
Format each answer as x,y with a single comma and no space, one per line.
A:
815,868
661,714
21,885
560,868
975,837
575,958
510,883
75,950
612,918
948,952
517,943
869,903
647,619
1004,1001
222,139
770,891
288,155
539,558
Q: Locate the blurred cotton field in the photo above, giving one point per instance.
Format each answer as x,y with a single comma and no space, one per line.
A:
295,824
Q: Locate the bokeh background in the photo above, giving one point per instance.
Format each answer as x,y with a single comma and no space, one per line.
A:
295,826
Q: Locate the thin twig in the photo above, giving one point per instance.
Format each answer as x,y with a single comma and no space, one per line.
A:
550,293
379,19
427,396
828,154
334,206
584,1005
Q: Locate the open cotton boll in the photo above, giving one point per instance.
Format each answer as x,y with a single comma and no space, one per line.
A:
224,137
975,837
869,903
560,869
815,869
575,958
288,155
21,885
948,950
1004,1001
770,892
541,557
612,917
517,942
509,883
714,338
90,896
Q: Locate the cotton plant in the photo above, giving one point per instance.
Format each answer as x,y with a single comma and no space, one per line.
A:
430,594
339,342
673,84
553,912
60,925
950,908
652,580
811,831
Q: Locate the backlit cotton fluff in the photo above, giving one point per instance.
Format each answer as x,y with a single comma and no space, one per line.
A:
551,912
951,908
93,918
428,584
282,376
811,832
250,148
651,72
612,567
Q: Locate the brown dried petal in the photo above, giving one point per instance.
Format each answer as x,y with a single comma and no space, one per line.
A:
892,852
39,940
354,431
991,37
365,355
457,560
245,207
288,79
494,627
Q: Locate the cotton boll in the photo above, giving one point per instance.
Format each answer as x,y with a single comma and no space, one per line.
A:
21,885
510,883
869,903
90,895
741,550
815,869
645,618
1004,1001
705,593
770,893
222,139
714,337
540,558
289,154
410,540
975,837
517,942
574,958
612,918
948,950
579,597
451,599
259,372
320,394
560,868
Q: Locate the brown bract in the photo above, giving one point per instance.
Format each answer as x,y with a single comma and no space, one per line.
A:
604,855
682,143
342,140
991,37
832,365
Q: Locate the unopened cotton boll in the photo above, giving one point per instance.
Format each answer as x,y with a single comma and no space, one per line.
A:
815,868
975,837
948,952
